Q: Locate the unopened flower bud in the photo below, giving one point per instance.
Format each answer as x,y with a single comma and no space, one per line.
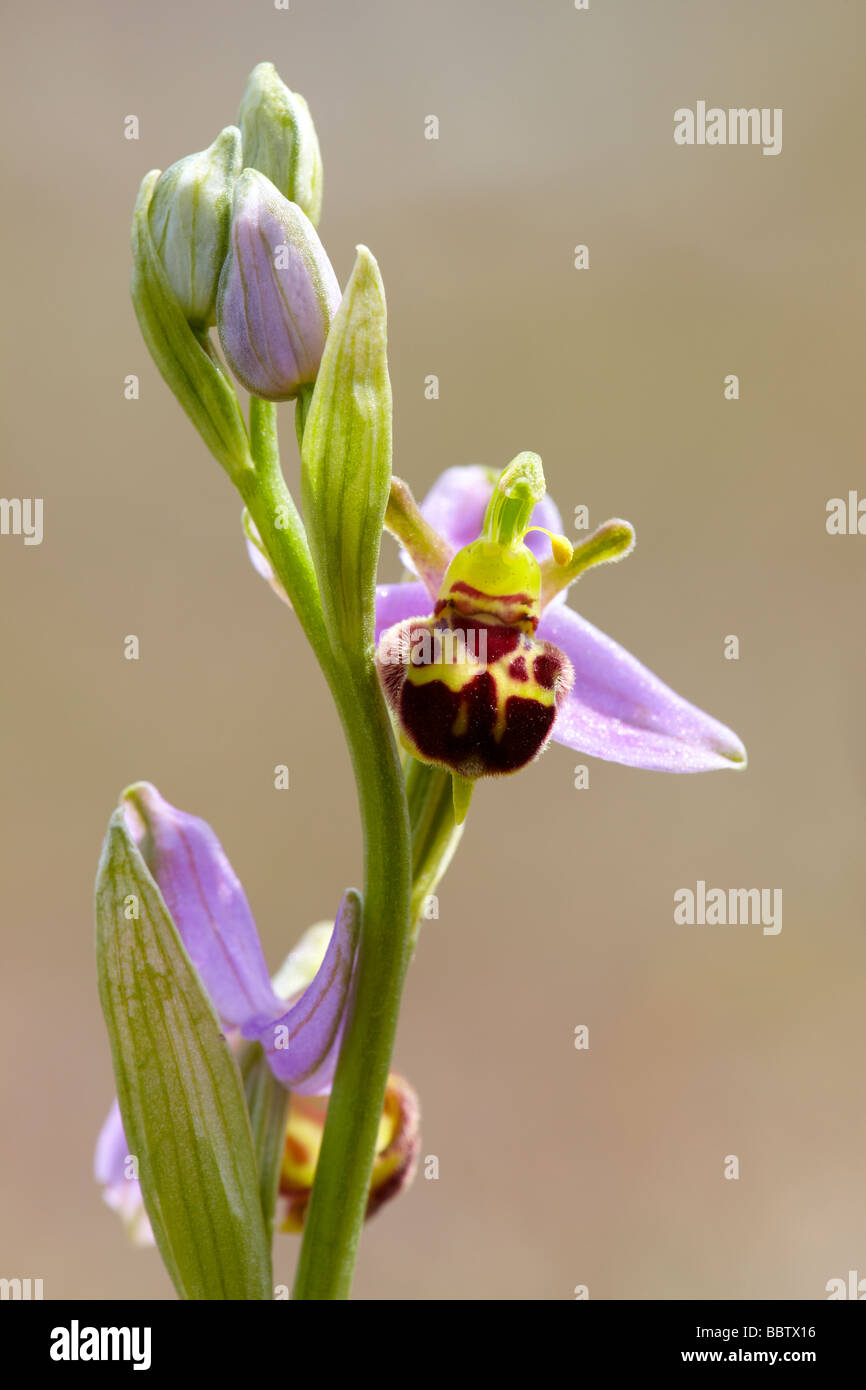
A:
189,222
280,139
277,295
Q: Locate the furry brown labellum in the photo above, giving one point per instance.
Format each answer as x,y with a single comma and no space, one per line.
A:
478,698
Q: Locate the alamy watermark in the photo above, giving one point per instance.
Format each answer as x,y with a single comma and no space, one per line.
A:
21,1289
76,1343
438,646
846,516
721,907
22,516
739,125
852,1287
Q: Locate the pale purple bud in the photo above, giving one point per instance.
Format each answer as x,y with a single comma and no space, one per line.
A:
277,295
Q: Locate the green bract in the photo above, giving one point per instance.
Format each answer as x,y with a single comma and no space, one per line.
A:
346,458
279,139
179,1089
268,1106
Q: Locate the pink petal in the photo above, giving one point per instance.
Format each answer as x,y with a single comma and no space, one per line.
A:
119,1191
620,711
207,904
303,1044
394,602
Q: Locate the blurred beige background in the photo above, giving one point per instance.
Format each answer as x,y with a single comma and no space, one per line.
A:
558,1167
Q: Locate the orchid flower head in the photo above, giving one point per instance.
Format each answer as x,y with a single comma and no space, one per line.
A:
606,703
298,1017
209,908
548,673
471,687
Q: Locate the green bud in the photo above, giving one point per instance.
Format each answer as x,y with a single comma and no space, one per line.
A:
346,458
189,219
184,355
279,139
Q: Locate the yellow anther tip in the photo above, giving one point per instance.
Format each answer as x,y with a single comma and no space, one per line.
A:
562,548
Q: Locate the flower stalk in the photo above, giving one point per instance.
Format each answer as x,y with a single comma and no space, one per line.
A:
336,1213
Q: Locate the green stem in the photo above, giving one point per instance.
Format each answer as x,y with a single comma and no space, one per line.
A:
334,1220
336,1213
333,1223
435,834
272,508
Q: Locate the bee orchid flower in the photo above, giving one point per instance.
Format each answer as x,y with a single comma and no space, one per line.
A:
492,570
591,695
298,1018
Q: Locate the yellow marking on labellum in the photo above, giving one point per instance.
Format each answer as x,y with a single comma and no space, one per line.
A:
507,687
461,723
457,675
301,1152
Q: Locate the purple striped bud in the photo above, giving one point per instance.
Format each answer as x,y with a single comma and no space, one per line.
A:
277,295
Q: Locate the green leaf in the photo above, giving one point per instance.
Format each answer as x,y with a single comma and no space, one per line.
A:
186,360
346,457
268,1105
178,1087
436,832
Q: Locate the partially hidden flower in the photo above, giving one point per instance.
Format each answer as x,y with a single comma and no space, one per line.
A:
277,293
189,217
298,1018
397,1147
596,697
280,139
